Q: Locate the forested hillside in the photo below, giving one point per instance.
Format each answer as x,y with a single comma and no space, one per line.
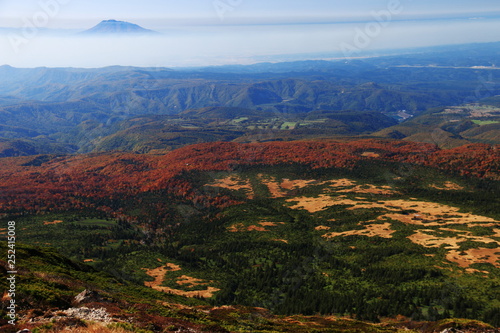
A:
279,225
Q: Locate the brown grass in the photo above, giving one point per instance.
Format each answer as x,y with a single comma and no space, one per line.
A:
172,267
235,183
427,213
295,184
53,222
426,239
472,256
314,204
190,281
422,237
344,182
280,240
447,186
371,230
473,270
279,190
91,328
423,213
273,186
240,227
256,228
369,189
322,227
237,227
370,154
159,276
270,224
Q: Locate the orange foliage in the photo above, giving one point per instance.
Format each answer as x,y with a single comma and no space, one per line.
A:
69,181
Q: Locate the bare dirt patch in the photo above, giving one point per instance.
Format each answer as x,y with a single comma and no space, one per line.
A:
371,230
53,222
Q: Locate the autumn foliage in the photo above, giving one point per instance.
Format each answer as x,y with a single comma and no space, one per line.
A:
40,183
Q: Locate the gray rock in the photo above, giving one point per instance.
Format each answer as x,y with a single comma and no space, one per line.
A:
87,296
84,313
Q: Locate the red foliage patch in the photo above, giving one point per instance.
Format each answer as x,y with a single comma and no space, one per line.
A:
66,182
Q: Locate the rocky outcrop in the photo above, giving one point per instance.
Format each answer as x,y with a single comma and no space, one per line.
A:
84,313
87,296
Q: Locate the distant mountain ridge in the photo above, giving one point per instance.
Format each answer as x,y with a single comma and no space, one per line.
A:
82,108
117,27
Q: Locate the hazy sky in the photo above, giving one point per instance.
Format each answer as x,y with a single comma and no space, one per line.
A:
11,11
204,32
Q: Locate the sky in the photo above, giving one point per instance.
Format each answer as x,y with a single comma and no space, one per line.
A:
215,32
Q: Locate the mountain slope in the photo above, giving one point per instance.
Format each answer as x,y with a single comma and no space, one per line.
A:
295,227
54,293
66,104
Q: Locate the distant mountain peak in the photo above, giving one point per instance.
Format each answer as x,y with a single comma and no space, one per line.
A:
115,27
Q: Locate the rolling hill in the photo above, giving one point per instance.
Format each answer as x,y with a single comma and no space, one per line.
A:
451,126
79,107
158,134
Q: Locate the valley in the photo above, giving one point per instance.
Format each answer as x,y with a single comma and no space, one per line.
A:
68,110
